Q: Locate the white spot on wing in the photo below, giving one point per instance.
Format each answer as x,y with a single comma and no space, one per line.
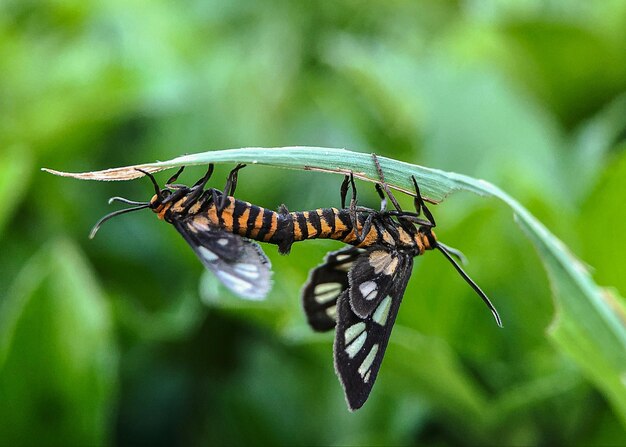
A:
327,287
353,331
237,284
383,261
246,267
207,254
382,311
199,225
326,292
353,348
340,258
344,267
367,362
391,268
222,241
248,270
332,312
368,289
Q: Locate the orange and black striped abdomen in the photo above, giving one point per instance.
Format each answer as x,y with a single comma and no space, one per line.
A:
283,228
243,218
322,223
332,223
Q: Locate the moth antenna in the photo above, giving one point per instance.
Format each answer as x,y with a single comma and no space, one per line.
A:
98,224
472,284
458,254
123,200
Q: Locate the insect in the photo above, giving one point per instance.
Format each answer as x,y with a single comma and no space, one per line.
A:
205,220
357,289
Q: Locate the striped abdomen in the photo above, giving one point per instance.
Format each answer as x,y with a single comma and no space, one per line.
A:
281,228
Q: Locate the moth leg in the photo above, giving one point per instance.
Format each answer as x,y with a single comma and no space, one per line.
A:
196,191
343,191
420,205
413,219
367,226
170,182
200,183
231,182
353,208
384,185
157,190
216,198
229,189
363,209
383,200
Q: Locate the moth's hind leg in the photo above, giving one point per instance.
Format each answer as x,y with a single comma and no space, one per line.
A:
229,188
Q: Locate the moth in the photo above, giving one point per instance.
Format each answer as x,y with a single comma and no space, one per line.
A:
357,290
238,262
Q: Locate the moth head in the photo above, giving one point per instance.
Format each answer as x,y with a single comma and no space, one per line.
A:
154,203
157,200
427,237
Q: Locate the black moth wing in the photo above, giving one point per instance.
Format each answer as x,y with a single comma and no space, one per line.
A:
371,279
360,342
326,282
239,263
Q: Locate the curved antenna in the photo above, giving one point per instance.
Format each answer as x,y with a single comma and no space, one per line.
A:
96,227
458,254
152,179
472,284
123,200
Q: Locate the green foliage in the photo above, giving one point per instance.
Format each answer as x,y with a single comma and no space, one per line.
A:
527,95
58,360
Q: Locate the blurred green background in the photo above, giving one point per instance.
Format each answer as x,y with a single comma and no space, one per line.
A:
124,339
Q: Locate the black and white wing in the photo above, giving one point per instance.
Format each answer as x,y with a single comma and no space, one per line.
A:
326,282
371,279
360,341
239,263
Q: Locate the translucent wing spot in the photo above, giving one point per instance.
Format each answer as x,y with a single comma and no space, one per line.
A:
223,242
353,331
248,270
391,268
340,258
238,285
367,362
344,267
207,254
332,312
368,289
383,261
353,348
199,224
382,311
326,292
